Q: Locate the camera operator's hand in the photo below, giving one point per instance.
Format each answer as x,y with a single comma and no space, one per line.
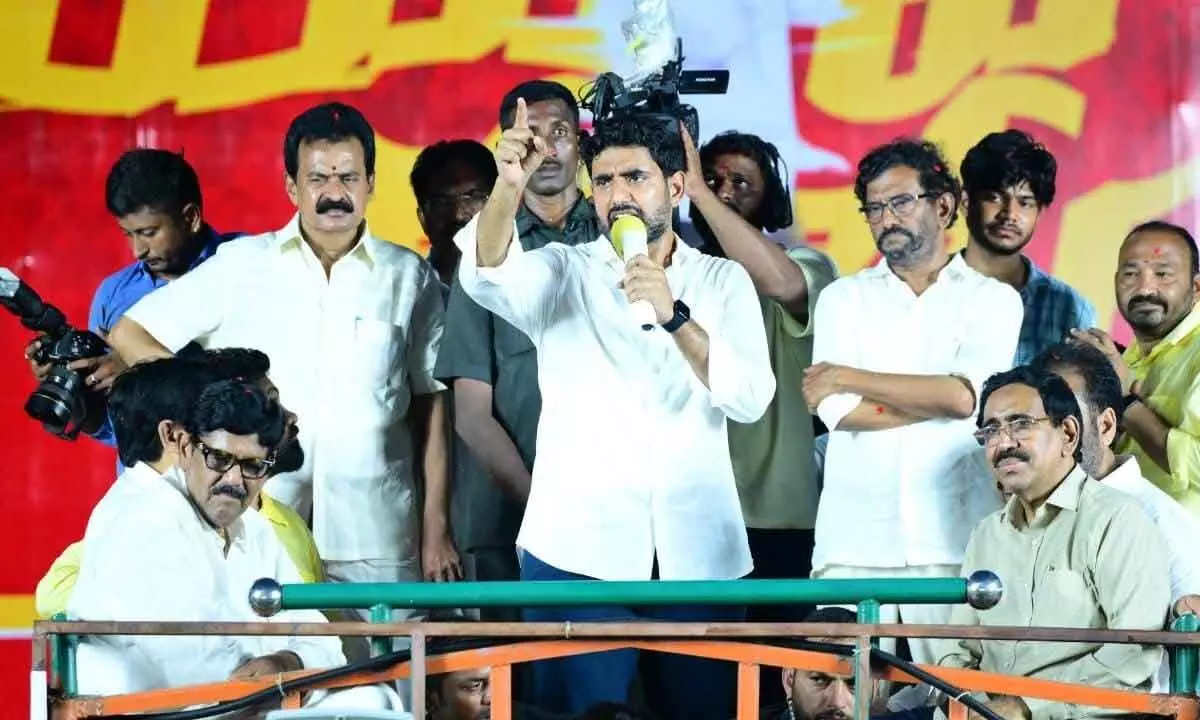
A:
100,372
693,181
520,151
40,371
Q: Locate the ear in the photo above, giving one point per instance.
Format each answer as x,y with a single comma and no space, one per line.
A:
192,218
1072,430
421,219
1106,424
172,436
293,191
675,187
789,679
946,205
371,186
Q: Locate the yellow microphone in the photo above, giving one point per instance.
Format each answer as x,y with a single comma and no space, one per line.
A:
629,238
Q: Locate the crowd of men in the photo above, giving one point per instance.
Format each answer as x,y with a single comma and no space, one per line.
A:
498,411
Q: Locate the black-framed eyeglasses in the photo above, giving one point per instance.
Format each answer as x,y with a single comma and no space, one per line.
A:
1019,429
901,206
220,461
445,202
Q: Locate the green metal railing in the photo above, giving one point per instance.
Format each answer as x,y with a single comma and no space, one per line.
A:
268,597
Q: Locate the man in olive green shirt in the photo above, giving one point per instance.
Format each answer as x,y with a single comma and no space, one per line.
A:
739,206
1070,552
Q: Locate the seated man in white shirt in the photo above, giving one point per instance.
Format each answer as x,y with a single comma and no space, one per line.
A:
900,354
172,541
633,467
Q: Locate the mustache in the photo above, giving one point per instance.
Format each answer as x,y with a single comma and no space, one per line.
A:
1010,453
325,205
1152,299
898,230
627,208
233,491
1003,225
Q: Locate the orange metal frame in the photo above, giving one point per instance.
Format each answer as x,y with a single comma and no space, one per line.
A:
699,641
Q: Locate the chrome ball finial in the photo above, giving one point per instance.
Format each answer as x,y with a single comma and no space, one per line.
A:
984,589
266,597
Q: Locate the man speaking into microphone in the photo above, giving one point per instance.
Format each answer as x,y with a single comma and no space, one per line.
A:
633,479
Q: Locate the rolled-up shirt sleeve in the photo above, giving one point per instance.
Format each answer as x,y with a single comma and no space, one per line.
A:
521,289
740,380
834,342
192,306
990,347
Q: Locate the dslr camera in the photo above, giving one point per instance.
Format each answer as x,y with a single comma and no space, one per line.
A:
657,96
62,401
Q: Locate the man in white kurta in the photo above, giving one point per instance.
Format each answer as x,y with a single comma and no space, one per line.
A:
352,324
633,470
900,354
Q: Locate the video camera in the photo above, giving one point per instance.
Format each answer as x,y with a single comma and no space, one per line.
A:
608,98
62,402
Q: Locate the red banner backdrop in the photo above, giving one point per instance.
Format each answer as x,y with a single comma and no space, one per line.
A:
1109,86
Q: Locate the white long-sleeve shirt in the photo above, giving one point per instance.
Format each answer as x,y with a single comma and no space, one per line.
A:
347,352
632,455
909,495
149,556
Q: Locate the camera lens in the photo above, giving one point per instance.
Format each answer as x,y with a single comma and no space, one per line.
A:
59,402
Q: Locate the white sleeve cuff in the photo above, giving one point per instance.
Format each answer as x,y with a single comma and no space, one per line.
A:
836,407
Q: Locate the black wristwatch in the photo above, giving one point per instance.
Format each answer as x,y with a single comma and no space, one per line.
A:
682,314
1128,401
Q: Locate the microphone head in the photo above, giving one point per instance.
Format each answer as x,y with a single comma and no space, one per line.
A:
629,236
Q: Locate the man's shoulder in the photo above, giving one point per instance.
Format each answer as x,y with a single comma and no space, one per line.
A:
395,255
1103,503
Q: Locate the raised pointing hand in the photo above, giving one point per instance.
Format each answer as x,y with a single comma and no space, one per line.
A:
520,151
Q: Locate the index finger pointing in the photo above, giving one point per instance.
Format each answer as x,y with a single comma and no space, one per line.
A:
521,120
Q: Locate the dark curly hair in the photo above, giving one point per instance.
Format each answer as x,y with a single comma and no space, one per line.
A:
239,407
1004,159
659,135
158,180
920,155
775,213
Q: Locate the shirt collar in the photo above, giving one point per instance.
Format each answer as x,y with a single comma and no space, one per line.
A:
211,241
1065,497
289,237
1035,277
581,211
1124,472
602,250
956,269
1186,326
270,510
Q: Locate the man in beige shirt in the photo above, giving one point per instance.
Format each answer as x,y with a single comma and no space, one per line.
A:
1071,553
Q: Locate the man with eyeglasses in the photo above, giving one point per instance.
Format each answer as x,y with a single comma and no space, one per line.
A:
492,366
1073,553
172,541
451,180
900,352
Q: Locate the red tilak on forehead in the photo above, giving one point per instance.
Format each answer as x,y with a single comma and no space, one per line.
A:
878,409
1157,250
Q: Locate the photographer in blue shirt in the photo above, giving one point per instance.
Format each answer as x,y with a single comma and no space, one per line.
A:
154,195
